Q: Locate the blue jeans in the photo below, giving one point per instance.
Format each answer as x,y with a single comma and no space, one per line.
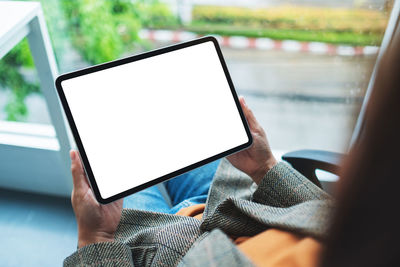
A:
188,189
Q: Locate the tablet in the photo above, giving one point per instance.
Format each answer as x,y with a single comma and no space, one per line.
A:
144,119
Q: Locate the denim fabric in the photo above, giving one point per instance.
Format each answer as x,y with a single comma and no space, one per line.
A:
149,199
188,189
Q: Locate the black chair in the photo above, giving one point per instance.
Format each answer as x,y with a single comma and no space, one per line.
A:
308,161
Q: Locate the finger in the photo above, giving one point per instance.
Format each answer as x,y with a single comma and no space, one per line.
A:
78,174
251,119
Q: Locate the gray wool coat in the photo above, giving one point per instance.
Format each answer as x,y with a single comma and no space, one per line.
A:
235,206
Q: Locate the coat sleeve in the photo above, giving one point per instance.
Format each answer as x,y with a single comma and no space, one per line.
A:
283,186
101,254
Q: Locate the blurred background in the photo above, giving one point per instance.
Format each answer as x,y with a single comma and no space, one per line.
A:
302,65
305,80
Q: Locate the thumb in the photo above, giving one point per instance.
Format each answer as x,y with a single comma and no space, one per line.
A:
78,174
251,119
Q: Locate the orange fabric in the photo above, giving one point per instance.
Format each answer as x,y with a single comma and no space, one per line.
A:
272,247
195,211
279,248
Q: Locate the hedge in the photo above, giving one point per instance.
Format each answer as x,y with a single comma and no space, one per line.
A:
295,17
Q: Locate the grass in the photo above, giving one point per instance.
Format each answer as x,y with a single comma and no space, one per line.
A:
356,27
295,17
334,37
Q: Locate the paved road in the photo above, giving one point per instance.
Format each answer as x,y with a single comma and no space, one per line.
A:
318,77
302,100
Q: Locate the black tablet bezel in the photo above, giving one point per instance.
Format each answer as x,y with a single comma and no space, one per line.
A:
131,59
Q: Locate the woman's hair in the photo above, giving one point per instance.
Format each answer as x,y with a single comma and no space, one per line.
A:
365,230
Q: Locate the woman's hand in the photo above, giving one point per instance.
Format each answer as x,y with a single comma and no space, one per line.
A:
257,160
96,222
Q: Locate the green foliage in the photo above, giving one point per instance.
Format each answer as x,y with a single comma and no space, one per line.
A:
333,25
11,78
333,37
154,14
296,17
20,56
101,30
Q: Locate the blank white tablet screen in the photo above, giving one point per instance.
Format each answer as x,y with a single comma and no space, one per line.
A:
148,118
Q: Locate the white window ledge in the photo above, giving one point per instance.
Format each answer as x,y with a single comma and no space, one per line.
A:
32,135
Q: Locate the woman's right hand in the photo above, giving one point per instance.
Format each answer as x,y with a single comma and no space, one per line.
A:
96,222
258,159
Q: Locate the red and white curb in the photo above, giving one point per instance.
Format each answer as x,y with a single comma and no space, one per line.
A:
241,42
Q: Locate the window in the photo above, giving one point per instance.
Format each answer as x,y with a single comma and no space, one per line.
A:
303,66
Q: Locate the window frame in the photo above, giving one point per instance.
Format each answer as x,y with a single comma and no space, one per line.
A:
34,158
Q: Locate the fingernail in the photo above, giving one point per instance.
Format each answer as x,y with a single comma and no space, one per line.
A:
244,101
72,155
